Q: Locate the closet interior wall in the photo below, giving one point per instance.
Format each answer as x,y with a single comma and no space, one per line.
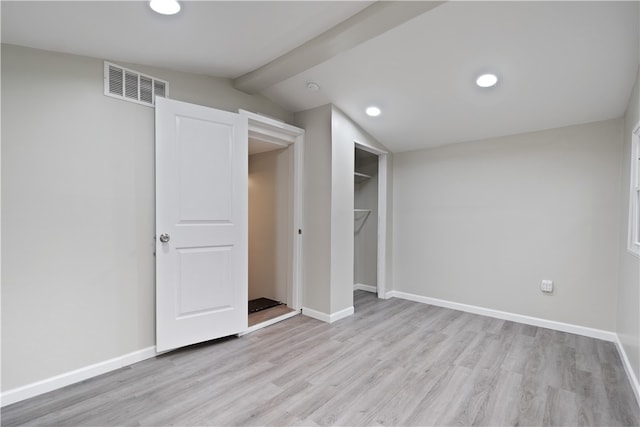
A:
270,219
366,218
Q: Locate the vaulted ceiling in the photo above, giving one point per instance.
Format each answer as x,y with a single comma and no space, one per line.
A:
558,63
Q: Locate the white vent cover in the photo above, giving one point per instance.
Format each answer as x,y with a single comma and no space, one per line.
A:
129,85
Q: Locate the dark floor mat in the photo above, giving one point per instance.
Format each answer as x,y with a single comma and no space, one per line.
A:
262,304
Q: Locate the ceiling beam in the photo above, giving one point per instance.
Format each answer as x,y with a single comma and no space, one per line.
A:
376,19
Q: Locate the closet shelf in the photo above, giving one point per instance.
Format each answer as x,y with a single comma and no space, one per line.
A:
362,210
360,177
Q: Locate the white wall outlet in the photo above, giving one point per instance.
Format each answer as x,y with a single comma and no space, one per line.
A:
546,286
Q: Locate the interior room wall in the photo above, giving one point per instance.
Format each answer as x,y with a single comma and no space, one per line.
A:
342,225
78,210
328,207
482,223
316,246
366,226
270,224
345,132
628,310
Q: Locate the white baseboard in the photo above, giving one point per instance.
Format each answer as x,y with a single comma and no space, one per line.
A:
519,318
34,389
534,321
341,314
633,380
269,322
31,390
363,287
328,318
314,314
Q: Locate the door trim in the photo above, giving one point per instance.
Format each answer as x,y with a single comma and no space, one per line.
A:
283,134
381,277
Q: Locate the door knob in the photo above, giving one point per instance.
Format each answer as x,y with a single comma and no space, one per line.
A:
164,237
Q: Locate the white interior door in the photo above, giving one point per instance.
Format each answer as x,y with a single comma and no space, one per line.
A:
201,224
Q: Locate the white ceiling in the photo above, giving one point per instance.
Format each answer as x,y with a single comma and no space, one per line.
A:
218,38
560,63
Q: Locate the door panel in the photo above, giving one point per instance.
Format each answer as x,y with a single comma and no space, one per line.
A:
197,293
201,204
205,162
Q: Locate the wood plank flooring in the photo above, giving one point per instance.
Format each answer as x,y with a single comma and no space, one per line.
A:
394,362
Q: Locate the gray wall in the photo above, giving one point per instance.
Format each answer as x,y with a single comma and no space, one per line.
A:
628,319
78,210
342,167
316,246
344,133
482,223
328,207
270,224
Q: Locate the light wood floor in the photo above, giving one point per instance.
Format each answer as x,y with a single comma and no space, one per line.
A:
394,362
268,314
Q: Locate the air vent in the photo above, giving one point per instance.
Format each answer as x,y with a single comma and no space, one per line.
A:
129,85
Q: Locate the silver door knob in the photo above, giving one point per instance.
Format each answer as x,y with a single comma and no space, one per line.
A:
164,237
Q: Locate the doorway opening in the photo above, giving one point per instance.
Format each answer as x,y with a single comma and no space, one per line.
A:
370,219
274,199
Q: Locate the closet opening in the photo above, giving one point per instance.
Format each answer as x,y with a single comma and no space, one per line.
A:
274,220
370,206
269,216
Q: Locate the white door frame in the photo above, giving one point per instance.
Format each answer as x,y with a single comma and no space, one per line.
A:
382,215
285,135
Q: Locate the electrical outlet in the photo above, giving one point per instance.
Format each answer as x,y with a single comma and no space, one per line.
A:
546,286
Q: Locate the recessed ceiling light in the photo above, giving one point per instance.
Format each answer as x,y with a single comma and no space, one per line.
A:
165,7
487,80
373,111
